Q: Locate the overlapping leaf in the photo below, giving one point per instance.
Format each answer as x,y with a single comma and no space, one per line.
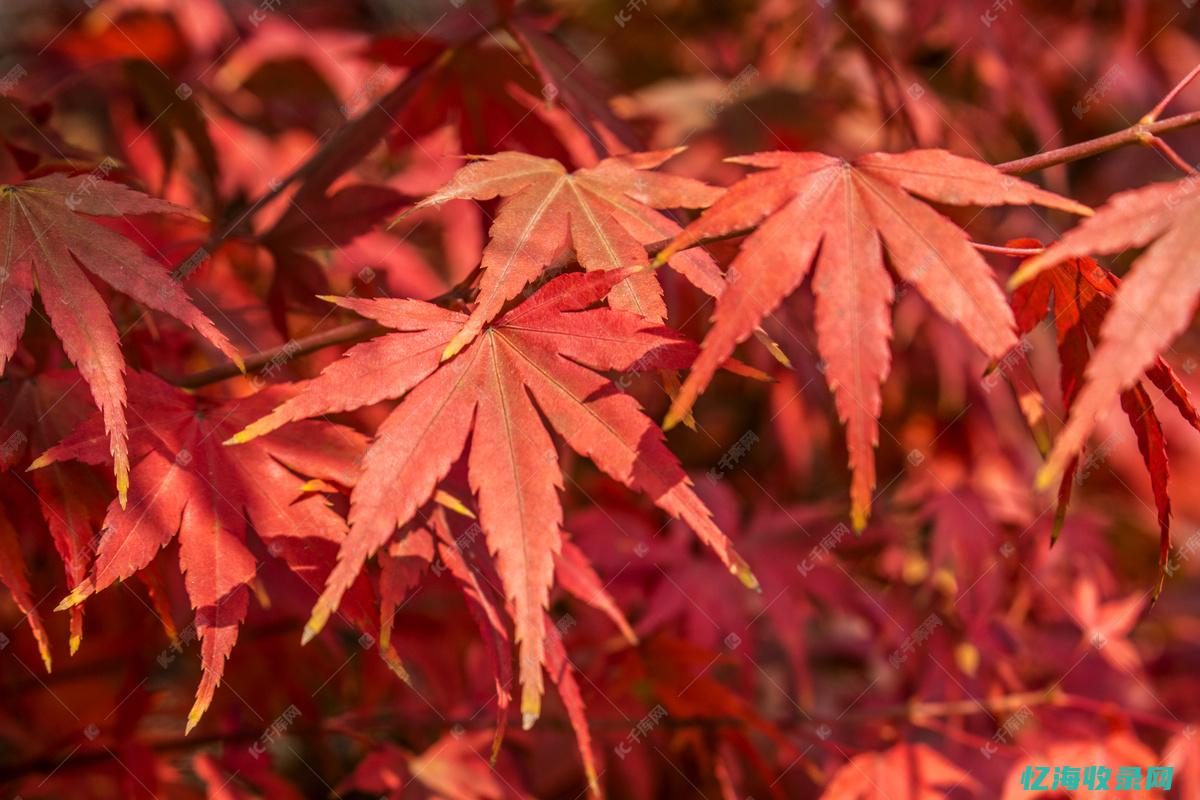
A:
539,359
1152,306
47,238
185,483
39,410
14,577
414,552
924,774
605,212
1078,294
813,209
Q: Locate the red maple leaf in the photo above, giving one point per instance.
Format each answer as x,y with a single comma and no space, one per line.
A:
1078,293
813,209
48,238
538,357
606,212
1153,305
185,483
917,770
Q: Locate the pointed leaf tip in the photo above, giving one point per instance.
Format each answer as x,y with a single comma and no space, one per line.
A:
1029,269
44,460
1045,477
394,663
461,340
123,486
194,715
531,706
447,500
241,437
744,574
316,622
74,598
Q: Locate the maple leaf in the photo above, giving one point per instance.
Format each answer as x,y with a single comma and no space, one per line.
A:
1107,626
412,554
1078,294
1153,304
810,208
607,212
185,483
453,767
40,409
47,237
923,773
14,576
537,359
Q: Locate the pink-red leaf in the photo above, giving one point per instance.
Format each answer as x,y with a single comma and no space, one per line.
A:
606,213
185,484
845,215
45,235
1154,303
497,391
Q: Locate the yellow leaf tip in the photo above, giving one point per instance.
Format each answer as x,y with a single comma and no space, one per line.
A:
1045,477
241,437
76,596
744,574
531,707
45,459
123,487
194,716
315,623
456,344
447,500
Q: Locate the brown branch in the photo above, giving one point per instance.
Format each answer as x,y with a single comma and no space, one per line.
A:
1144,133
343,334
1139,133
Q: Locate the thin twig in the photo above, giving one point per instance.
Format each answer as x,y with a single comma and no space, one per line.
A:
1145,133
1169,153
1171,95
1139,133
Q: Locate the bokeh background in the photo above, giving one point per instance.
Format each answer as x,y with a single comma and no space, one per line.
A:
936,654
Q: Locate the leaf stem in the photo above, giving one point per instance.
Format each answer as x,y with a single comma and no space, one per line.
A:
1169,153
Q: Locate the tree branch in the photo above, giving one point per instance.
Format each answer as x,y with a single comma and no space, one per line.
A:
1138,133
1144,133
